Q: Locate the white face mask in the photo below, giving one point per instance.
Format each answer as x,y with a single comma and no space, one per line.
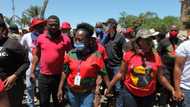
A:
155,44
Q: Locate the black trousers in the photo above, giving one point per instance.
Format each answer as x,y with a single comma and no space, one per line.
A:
48,85
16,93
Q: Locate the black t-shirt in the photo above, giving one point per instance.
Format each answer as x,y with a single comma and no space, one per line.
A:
115,49
166,49
13,58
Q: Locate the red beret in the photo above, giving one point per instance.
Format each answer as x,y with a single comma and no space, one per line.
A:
65,25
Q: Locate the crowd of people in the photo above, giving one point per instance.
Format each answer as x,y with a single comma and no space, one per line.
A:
93,66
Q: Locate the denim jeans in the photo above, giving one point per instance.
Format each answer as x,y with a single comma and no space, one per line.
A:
30,86
48,85
118,85
80,99
29,92
186,101
128,100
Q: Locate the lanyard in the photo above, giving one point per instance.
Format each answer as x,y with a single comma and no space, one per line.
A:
78,67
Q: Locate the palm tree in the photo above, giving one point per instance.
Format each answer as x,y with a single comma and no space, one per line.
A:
24,21
8,20
33,11
28,14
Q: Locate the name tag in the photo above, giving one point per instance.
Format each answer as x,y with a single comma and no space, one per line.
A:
77,80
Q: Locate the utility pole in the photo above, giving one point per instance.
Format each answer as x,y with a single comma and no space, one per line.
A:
13,10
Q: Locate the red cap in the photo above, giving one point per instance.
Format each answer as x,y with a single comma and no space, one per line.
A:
129,30
2,87
65,25
36,21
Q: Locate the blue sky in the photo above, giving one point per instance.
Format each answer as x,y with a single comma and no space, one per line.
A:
92,11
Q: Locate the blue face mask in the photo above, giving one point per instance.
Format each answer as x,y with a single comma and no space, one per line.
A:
79,46
99,30
36,33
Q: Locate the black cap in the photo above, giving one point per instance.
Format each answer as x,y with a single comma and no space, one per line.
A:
111,21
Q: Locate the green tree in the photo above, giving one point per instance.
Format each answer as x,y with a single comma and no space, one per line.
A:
171,20
127,20
148,20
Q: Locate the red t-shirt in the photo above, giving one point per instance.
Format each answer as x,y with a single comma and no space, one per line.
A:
88,69
141,75
52,54
67,40
2,88
102,50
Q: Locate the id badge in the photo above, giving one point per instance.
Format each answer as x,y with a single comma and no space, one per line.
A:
77,80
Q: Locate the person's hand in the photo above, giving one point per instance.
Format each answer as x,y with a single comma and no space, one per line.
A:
60,95
106,92
10,81
97,91
173,92
33,76
178,95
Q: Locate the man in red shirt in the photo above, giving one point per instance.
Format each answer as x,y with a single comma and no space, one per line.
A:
50,50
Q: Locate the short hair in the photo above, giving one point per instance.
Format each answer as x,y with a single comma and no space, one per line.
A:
2,21
54,17
99,25
89,41
1,16
86,27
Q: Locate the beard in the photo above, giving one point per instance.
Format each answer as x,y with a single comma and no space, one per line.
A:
54,33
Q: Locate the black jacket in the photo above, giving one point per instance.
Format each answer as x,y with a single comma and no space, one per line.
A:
13,58
115,49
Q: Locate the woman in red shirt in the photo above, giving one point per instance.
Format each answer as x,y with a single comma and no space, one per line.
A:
140,70
84,64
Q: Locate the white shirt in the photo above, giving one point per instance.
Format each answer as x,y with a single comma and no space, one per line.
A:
184,50
29,42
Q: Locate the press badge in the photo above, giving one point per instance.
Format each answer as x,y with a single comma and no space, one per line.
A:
77,80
